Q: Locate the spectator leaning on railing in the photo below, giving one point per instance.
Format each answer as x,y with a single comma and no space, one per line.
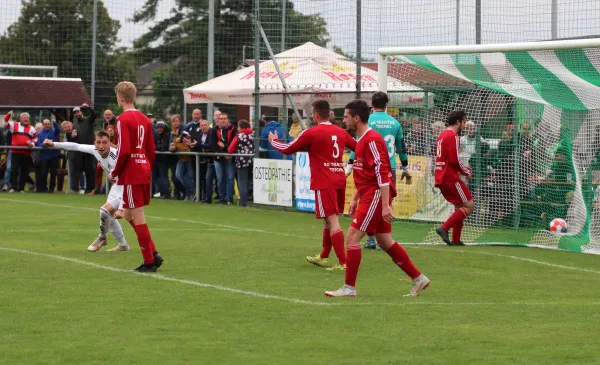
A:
243,143
207,166
73,158
275,127
180,142
23,135
179,189
161,163
84,125
48,158
221,137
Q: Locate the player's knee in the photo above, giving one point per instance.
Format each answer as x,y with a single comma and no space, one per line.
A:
353,237
469,207
333,223
384,240
104,213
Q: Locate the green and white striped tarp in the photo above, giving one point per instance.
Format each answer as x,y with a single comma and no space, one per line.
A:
567,79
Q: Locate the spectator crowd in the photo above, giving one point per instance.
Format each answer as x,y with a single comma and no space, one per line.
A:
174,174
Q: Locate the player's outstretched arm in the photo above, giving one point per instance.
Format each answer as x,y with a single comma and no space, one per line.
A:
70,146
301,142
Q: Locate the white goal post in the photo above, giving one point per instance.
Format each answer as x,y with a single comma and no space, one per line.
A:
532,139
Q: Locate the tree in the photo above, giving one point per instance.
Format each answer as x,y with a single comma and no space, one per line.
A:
59,33
181,41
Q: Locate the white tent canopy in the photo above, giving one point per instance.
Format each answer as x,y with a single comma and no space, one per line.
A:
310,72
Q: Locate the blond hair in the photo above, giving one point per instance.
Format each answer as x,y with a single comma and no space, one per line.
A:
175,116
126,90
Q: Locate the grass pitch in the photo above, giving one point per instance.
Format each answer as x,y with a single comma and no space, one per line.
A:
235,289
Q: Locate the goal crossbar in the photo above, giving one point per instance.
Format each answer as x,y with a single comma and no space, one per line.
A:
383,52
491,48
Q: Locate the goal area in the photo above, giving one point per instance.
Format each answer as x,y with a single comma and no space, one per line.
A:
532,140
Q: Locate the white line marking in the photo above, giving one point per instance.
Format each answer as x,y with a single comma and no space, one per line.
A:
166,278
516,258
170,219
345,301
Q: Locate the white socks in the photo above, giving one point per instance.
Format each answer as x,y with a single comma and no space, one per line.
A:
117,231
105,218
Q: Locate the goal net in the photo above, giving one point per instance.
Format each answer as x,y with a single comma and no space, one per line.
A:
532,142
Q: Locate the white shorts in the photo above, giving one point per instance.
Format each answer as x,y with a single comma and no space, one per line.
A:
115,196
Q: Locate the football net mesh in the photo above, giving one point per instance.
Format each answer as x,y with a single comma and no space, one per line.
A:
532,143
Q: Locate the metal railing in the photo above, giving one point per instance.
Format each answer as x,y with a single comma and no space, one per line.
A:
197,155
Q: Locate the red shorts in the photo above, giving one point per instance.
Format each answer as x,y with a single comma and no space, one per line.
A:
456,192
368,214
136,196
329,202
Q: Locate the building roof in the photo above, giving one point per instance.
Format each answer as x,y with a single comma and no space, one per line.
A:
41,92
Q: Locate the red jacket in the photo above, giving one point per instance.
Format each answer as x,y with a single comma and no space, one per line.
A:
22,136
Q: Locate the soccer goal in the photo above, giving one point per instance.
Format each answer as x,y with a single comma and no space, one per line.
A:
533,143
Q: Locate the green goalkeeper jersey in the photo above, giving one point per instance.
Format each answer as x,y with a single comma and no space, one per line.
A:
391,131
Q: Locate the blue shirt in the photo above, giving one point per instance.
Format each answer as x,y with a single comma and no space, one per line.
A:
52,135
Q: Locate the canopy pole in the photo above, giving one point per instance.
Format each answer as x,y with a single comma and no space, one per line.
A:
287,90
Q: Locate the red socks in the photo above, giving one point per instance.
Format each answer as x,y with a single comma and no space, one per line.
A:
337,241
353,257
145,241
400,258
326,244
457,217
456,231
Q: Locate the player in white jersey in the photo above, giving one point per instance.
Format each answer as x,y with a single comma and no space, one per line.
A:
107,157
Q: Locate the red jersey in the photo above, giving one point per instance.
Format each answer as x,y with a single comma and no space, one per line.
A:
135,152
326,143
447,164
21,135
372,168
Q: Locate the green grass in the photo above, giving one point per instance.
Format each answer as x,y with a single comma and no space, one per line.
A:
486,305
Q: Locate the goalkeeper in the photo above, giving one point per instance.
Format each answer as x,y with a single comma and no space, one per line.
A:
391,131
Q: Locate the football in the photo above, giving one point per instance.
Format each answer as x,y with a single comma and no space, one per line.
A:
558,225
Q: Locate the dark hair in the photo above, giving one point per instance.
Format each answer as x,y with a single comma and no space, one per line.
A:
102,133
359,107
244,124
321,107
456,116
379,100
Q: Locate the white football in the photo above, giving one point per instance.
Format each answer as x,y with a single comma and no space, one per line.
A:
558,225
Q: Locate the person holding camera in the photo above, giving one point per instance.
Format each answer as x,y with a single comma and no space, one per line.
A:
184,171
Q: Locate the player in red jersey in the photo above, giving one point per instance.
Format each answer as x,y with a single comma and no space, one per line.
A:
325,143
447,168
371,203
135,159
